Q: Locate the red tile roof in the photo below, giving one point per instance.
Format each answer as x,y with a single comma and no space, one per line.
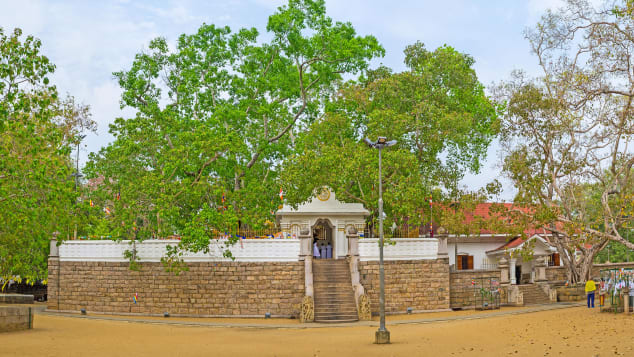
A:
483,210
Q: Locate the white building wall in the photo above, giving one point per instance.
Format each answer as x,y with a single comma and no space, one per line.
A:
478,250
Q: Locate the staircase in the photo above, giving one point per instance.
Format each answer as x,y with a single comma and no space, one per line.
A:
334,297
533,294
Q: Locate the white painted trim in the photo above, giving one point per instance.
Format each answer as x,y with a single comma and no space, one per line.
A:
248,250
404,249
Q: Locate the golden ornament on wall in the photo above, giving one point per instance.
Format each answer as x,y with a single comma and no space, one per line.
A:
324,194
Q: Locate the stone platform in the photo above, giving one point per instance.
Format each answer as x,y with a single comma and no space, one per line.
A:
16,299
15,318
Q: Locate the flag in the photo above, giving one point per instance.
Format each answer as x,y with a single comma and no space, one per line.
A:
430,201
118,196
107,210
135,298
281,194
91,204
223,198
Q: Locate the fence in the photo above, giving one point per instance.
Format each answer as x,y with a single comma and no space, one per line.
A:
243,233
399,232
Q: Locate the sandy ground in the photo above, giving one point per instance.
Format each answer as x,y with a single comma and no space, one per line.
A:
291,322
568,332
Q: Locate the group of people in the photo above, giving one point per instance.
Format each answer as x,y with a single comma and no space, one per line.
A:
323,250
605,285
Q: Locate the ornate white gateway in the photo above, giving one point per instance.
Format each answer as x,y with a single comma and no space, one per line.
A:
326,218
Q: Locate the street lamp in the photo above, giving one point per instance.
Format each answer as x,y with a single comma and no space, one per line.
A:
382,335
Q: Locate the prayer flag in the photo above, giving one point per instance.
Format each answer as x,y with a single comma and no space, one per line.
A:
91,204
281,194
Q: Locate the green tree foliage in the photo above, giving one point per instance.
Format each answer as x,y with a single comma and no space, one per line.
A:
437,111
36,130
214,118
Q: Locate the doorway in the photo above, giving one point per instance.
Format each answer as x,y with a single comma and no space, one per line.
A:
323,242
518,274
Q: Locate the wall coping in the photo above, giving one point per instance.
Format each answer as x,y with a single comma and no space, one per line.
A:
404,249
246,250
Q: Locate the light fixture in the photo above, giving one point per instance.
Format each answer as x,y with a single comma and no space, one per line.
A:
382,335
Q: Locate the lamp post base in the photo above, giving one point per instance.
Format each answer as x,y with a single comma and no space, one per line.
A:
382,337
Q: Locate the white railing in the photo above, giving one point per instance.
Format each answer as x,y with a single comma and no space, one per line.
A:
246,250
404,249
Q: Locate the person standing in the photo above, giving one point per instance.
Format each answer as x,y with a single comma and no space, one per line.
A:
590,289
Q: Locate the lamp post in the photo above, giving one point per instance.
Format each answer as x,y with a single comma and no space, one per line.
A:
382,335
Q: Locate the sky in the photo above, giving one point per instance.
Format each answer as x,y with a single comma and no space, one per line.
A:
88,40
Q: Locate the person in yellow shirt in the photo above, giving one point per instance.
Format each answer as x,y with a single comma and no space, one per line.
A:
590,289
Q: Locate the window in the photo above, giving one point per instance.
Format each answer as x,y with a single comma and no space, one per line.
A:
464,262
554,260
295,231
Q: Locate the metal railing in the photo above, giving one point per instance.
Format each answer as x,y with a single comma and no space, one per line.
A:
243,233
401,232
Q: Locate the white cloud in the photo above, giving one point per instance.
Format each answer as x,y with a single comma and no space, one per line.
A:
537,8
29,15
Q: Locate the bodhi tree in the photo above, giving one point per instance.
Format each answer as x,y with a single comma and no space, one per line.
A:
37,129
569,133
437,111
214,119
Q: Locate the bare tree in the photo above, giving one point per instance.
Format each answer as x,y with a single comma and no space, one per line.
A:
568,134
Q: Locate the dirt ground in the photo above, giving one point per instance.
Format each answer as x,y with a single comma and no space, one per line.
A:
567,332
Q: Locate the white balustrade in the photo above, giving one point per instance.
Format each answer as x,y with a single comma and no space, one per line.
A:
404,249
246,250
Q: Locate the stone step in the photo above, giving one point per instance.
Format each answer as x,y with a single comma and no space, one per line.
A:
324,291
333,286
341,316
330,316
339,320
334,296
323,312
335,302
319,272
337,308
331,273
327,277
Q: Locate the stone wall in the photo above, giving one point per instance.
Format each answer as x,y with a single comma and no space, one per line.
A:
16,299
463,294
555,274
15,318
596,268
206,289
419,284
558,274
571,293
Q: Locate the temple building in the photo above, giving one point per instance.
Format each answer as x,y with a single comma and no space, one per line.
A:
321,269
